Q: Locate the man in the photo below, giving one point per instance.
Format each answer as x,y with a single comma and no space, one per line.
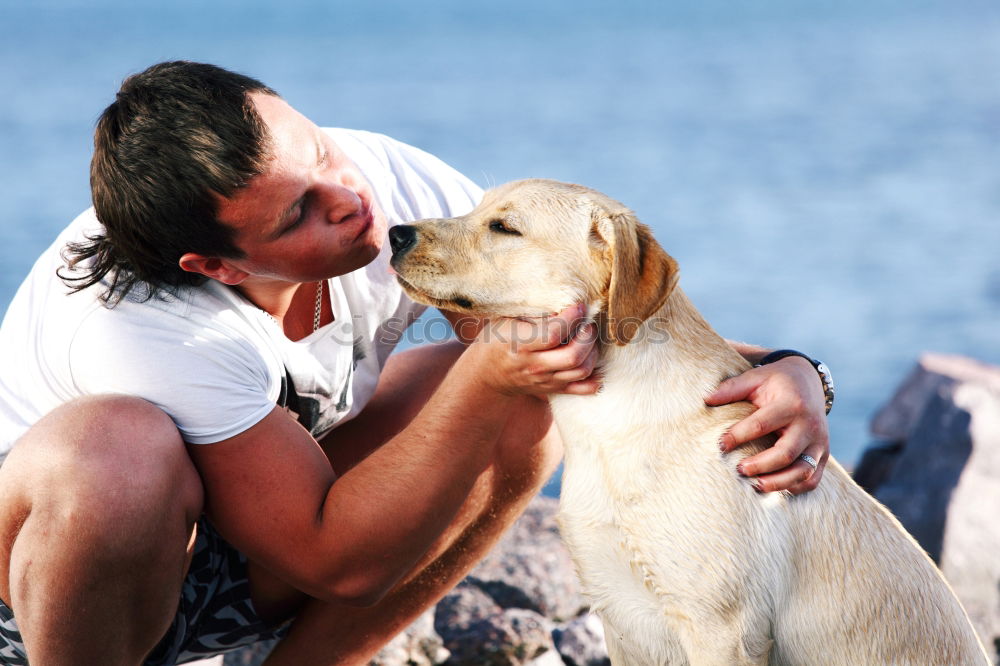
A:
178,487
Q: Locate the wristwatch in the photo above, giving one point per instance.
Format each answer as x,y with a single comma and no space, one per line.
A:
825,375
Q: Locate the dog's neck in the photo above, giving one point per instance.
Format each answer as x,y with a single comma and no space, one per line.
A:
659,380
675,345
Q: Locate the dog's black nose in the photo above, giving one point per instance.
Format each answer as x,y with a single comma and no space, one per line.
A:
401,238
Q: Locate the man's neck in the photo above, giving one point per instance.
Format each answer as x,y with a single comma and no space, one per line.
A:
292,305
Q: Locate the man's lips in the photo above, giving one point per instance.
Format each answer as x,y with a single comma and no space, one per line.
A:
366,217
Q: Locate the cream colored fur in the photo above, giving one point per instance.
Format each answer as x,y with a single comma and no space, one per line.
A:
684,562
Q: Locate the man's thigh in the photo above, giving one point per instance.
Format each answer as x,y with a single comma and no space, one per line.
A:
405,385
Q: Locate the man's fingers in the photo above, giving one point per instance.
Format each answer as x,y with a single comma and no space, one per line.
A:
588,386
786,449
733,389
571,355
788,404
582,369
798,477
556,330
762,422
812,481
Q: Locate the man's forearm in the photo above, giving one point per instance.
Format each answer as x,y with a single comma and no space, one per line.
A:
420,477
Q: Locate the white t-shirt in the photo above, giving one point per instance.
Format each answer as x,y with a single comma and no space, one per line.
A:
214,362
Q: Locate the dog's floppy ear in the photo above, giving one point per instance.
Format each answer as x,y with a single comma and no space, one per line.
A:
642,273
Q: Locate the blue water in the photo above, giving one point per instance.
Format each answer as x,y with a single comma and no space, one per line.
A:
826,173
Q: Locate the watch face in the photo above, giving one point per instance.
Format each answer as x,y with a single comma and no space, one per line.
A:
825,371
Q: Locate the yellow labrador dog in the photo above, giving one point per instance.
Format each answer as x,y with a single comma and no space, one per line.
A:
684,562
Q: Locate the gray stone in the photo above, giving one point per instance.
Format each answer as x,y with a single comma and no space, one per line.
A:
531,568
938,470
895,421
418,645
581,642
463,607
550,658
477,631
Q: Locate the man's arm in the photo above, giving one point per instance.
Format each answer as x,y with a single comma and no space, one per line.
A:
272,493
790,401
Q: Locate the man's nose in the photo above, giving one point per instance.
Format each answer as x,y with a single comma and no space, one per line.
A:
340,201
401,238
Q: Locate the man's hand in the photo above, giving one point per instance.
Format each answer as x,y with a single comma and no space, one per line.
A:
790,402
539,356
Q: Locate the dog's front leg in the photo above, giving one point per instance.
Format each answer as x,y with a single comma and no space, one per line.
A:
616,651
642,646
729,645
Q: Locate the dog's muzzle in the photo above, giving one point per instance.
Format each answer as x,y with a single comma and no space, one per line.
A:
402,237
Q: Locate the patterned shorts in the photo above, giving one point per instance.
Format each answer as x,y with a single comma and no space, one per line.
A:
214,615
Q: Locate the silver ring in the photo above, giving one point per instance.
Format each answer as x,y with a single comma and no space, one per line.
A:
809,460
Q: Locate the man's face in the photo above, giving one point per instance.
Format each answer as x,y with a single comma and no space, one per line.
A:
311,214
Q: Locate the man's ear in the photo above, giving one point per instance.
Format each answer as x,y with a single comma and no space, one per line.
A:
642,273
213,267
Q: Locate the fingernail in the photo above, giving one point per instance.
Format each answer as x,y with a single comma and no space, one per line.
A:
722,445
757,485
740,470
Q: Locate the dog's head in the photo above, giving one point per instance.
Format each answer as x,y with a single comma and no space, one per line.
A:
532,248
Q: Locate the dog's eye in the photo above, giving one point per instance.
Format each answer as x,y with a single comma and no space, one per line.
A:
501,228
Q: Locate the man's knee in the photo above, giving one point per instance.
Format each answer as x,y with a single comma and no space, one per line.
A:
92,424
112,458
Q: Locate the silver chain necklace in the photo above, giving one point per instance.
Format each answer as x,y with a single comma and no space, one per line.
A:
318,310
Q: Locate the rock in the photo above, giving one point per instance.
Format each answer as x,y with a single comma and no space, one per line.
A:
464,607
477,631
417,645
581,642
937,469
533,633
531,568
550,658
506,612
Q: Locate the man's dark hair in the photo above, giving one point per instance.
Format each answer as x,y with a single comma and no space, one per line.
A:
177,136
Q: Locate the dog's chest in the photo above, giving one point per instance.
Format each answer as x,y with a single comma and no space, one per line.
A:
647,510
615,574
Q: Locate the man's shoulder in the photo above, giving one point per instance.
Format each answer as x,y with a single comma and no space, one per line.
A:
409,182
210,365
189,313
368,148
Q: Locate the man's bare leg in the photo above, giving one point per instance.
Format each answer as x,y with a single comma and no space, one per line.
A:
97,505
528,452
